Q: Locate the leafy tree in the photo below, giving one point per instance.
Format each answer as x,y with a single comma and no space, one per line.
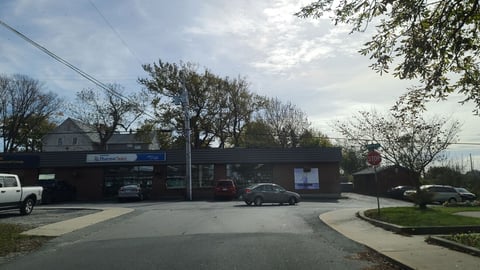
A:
236,107
409,141
436,42
353,160
166,82
32,132
257,134
472,181
219,108
107,111
163,136
287,123
26,111
314,138
444,176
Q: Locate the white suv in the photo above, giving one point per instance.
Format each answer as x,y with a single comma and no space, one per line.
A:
442,194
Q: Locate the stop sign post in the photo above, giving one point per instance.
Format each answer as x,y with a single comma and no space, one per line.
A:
374,158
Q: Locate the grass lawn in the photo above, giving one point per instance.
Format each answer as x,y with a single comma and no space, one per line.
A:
11,240
432,216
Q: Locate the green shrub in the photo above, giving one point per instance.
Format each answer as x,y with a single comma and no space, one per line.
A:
468,239
422,198
462,204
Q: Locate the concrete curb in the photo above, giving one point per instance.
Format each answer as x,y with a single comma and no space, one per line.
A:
408,251
63,227
419,230
438,240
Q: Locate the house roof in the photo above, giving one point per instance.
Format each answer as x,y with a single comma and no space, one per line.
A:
86,129
370,170
90,131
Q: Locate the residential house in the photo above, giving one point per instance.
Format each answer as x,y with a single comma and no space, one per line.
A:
73,135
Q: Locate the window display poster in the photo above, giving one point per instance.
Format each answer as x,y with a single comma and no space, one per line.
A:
306,179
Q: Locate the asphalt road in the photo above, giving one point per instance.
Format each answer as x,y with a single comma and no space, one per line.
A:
207,235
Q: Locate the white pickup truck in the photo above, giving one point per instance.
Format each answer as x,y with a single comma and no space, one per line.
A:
14,196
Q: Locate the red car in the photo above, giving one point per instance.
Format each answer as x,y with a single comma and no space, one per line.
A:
225,189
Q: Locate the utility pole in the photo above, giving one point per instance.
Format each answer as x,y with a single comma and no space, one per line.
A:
471,163
188,145
183,100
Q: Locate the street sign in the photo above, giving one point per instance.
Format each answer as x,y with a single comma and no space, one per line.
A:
374,158
372,146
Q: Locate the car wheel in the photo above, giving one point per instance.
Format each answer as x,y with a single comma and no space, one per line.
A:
452,200
258,201
27,206
292,201
248,202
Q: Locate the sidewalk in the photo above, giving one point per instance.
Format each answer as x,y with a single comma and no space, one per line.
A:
410,251
70,225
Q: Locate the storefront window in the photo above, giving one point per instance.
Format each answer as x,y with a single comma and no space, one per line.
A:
247,174
118,176
202,176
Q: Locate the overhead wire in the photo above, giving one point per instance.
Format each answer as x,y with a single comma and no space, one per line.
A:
71,66
63,61
115,32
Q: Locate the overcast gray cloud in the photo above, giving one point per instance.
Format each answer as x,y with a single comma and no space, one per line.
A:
309,62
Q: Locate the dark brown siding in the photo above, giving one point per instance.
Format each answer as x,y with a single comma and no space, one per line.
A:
88,178
386,177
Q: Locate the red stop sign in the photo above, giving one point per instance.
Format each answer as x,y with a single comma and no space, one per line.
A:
374,158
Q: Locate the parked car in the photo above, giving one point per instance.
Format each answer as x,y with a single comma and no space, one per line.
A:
466,195
226,189
14,196
131,192
55,190
439,193
269,193
398,191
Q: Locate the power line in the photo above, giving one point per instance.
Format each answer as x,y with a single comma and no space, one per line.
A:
115,32
63,61
71,66
369,140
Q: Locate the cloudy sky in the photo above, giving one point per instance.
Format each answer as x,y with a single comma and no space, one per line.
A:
310,63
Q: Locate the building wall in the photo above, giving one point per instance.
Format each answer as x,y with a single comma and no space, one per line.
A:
128,146
387,178
87,181
89,177
50,142
27,177
328,174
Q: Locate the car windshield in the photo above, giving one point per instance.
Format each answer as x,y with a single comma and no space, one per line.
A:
461,190
131,186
